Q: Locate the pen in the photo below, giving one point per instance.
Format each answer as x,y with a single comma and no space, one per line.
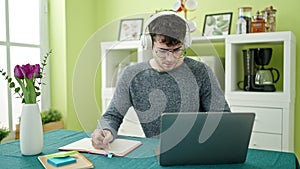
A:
103,132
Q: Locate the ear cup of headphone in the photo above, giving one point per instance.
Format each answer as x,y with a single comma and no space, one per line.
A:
187,40
146,39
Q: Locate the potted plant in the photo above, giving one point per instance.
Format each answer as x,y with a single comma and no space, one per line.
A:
29,80
51,120
3,133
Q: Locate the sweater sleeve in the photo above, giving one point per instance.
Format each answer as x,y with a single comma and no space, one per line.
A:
118,107
212,97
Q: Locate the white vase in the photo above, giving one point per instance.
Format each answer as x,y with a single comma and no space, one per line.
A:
31,130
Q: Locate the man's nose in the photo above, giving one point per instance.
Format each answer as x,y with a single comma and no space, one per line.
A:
169,55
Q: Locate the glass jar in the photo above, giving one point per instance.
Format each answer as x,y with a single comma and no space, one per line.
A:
258,23
245,12
270,19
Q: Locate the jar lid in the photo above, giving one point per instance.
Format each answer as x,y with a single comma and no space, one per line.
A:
269,10
258,16
245,8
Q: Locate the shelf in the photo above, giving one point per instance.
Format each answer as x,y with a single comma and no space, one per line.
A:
285,54
267,37
272,37
115,56
205,39
120,45
277,96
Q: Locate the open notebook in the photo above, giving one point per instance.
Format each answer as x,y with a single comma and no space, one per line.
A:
119,147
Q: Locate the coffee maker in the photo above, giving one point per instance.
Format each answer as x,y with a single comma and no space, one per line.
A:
256,76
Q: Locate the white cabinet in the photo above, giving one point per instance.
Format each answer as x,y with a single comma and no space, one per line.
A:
267,129
274,123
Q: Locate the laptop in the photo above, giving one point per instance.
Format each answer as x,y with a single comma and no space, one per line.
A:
204,138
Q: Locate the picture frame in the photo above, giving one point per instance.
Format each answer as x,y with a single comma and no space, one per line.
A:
217,24
130,29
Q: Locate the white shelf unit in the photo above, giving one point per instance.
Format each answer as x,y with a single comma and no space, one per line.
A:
205,39
274,123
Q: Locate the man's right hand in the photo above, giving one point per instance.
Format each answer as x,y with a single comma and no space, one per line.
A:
101,138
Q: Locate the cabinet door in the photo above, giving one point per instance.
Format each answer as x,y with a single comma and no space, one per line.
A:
265,141
267,129
267,120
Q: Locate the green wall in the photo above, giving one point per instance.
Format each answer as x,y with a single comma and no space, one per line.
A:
75,41
58,64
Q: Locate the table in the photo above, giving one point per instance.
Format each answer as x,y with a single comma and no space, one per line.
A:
142,157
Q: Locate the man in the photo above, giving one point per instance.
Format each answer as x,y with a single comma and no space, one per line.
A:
168,82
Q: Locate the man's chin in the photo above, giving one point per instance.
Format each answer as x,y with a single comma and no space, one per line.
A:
168,68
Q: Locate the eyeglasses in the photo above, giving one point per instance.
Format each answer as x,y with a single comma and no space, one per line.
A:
176,53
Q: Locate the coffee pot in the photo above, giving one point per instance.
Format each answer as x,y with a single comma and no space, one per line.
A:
266,76
256,76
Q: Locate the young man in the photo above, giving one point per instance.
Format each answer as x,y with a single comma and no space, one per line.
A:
168,82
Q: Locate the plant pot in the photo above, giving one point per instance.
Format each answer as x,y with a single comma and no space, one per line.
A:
31,131
53,126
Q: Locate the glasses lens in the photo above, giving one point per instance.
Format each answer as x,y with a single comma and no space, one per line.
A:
176,53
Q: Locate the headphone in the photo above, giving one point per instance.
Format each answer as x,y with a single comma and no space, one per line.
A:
146,39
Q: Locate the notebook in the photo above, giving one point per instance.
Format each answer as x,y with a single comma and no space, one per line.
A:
204,138
119,147
81,162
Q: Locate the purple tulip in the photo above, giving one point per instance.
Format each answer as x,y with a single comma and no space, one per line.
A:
28,71
18,72
37,70
34,71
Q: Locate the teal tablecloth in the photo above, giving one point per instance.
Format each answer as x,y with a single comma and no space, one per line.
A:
142,157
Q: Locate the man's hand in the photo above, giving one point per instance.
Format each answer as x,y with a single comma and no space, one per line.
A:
101,138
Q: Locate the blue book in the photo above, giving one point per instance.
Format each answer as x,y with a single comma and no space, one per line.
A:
60,161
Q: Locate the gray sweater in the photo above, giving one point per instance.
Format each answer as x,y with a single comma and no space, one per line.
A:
191,87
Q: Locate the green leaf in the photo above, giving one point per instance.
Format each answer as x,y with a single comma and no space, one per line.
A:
4,73
9,80
29,91
17,89
50,116
11,85
3,133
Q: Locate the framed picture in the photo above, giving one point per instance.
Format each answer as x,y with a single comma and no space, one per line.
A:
217,24
130,29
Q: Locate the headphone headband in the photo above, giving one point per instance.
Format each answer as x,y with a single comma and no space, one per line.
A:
159,14
145,37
